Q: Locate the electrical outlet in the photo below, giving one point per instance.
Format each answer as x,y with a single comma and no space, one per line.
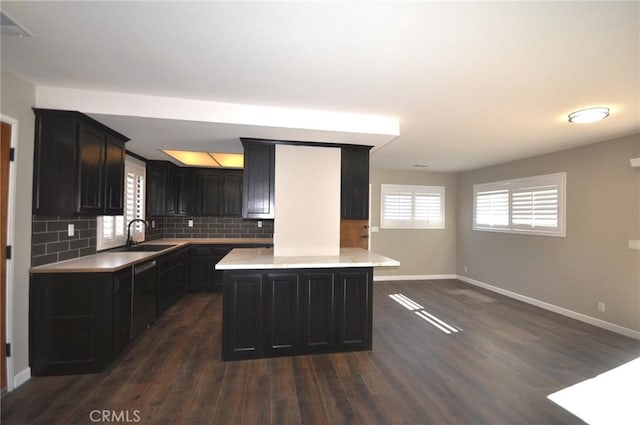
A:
375,229
259,224
466,269
601,306
70,230
190,223
153,224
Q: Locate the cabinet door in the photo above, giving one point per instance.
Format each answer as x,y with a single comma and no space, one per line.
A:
172,189
202,269
156,189
319,311
258,181
354,187
210,181
243,335
114,176
354,305
232,193
187,189
283,319
91,155
122,298
54,164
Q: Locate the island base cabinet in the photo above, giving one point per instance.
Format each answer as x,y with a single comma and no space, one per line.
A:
242,316
299,311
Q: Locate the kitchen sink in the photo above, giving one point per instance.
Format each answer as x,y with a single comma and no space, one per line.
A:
143,248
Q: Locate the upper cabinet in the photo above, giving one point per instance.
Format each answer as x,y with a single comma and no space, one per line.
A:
173,190
259,171
78,165
354,186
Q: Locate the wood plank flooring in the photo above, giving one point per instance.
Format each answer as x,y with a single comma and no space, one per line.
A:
498,370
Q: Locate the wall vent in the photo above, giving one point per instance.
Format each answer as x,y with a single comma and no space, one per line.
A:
11,28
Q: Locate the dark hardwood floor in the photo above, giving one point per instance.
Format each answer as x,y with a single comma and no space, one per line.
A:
497,370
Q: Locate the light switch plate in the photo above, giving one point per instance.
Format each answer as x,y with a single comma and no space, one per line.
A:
634,244
70,230
190,223
375,229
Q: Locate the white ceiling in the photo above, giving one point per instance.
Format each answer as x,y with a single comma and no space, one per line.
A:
473,84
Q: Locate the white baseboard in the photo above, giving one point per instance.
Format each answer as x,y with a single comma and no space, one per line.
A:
21,377
554,308
415,277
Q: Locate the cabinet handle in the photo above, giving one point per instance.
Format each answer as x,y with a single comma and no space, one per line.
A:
364,237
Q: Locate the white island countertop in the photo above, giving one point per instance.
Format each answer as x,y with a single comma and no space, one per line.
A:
263,258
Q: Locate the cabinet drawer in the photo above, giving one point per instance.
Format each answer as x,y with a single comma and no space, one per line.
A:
122,307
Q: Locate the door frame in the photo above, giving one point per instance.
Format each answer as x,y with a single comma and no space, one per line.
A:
11,241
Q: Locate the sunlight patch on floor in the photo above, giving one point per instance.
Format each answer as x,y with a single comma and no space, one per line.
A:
612,397
409,304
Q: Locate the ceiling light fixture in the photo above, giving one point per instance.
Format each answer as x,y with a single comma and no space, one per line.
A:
585,116
420,166
207,159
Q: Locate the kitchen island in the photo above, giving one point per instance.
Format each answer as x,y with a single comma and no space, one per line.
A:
281,306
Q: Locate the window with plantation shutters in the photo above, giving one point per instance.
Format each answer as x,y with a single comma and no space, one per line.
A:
112,230
531,205
412,207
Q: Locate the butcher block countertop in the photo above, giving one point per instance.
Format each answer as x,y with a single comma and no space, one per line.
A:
111,261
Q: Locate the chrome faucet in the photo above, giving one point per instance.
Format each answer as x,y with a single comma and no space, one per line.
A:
129,240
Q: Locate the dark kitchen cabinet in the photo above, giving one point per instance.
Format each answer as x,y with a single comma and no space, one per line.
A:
78,165
243,320
258,184
78,322
354,186
114,176
232,193
210,184
203,275
91,152
354,309
221,193
283,305
319,290
299,311
172,278
156,189
162,188
172,197
187,191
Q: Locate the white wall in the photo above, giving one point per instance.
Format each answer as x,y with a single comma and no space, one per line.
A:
18,96
307,199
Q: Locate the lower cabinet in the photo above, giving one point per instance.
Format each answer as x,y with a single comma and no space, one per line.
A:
77,321
173,275
80,322
203,275
298,311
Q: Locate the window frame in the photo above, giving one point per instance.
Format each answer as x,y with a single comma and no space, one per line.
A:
413,224
138,167
514,185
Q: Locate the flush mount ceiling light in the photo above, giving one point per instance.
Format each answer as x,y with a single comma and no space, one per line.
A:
585,116
207,159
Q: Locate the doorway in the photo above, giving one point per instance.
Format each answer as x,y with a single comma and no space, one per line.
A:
5,152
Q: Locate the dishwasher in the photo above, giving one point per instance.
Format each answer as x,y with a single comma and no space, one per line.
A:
143,309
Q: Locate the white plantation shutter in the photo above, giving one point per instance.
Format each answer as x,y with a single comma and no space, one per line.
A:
417,207
492,208
533,205
112,230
